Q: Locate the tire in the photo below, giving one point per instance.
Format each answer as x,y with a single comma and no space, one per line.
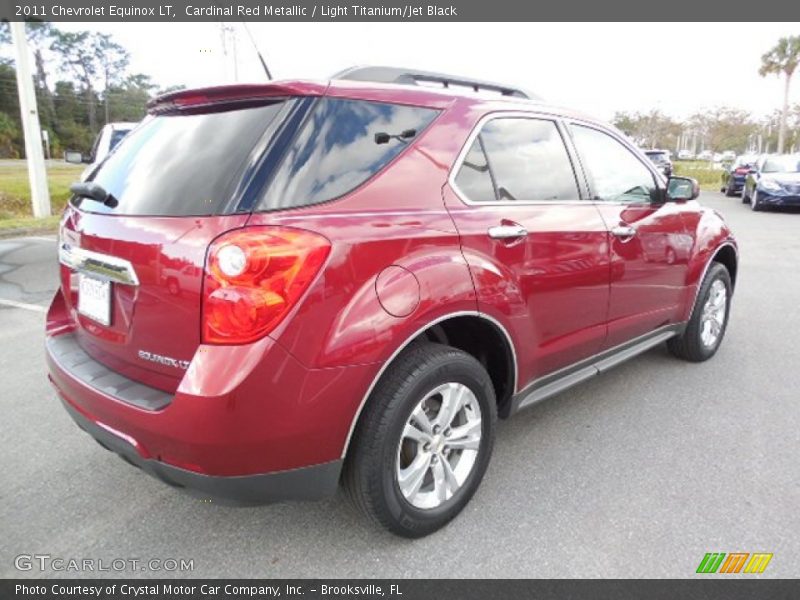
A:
745,197
691,345
755,205
381,450
730,190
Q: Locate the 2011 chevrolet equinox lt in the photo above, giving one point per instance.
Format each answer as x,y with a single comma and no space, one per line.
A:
267,290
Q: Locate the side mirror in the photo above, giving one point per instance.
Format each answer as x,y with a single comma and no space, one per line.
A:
74,157
682,189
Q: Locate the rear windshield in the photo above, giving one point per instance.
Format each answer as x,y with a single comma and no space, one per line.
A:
342,144
180,165
657,155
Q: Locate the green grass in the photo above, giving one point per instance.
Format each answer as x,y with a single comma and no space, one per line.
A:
29,223
707,177
15,193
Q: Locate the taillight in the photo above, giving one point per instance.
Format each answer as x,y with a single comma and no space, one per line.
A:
253,278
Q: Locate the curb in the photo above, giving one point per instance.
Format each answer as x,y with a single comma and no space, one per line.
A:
26,231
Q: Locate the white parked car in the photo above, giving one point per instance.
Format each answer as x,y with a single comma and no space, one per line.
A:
685,155
109,137
705,155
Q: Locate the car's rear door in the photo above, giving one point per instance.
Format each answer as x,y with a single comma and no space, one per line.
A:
537,251
649,241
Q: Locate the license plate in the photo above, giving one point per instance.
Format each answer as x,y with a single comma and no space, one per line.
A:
94,299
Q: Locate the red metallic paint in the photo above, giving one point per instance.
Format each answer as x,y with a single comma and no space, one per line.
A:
289,400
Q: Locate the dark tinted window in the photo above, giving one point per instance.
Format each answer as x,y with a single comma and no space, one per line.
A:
116,137
474,179
181,164
337,150
616,173
528,160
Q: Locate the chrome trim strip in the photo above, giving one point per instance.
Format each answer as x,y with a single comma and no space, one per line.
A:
411,338
102,266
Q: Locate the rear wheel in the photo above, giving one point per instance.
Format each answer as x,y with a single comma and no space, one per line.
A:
424,440
745,197
706,328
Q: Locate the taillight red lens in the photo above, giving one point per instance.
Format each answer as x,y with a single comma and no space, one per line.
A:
253,278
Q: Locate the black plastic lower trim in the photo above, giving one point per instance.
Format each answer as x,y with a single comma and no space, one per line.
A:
307,483
561,380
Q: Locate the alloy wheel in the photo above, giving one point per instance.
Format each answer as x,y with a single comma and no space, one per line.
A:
439,445
714,313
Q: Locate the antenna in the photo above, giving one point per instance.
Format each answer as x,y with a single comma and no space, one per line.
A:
255,46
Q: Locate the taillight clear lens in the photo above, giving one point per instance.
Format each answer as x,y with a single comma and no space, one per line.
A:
253,278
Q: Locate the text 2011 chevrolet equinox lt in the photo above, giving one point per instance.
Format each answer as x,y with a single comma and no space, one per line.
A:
267,290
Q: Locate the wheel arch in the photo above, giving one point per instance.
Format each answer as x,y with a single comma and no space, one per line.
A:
463,330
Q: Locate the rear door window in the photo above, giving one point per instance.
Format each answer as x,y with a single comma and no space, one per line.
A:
342,144
184,164
525,160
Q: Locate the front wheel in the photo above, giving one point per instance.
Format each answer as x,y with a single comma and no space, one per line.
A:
706,327
730,190
754,202
424,441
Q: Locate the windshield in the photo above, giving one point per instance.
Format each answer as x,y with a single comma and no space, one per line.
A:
180,165
782,164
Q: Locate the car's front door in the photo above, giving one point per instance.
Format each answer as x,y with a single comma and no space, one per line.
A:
537,251
650,244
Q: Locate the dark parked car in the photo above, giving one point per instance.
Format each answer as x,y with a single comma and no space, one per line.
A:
734,175
370,274
773,181
660,159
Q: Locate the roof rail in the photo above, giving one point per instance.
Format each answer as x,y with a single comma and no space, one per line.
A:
414,77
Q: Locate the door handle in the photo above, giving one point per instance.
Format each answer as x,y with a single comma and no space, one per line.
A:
507,232
623,232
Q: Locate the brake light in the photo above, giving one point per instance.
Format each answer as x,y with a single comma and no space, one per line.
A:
254,276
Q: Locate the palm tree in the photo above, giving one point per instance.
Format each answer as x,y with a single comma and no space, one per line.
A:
782,59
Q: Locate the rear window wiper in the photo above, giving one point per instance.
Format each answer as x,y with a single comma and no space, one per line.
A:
93,191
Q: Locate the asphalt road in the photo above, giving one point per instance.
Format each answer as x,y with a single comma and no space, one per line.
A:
637,473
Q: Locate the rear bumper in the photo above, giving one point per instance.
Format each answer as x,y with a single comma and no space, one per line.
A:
247,423
308,483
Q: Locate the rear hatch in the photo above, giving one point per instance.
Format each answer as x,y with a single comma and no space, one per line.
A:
132,267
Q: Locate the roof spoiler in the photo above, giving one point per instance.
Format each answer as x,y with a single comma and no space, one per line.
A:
228,94
413,77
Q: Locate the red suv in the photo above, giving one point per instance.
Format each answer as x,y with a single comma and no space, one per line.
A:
269,289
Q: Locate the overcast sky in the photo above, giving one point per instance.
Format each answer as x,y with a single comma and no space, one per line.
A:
600,68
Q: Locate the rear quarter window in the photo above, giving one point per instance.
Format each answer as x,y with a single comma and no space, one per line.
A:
342,144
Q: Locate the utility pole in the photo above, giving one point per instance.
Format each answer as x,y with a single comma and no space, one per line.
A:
37,175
